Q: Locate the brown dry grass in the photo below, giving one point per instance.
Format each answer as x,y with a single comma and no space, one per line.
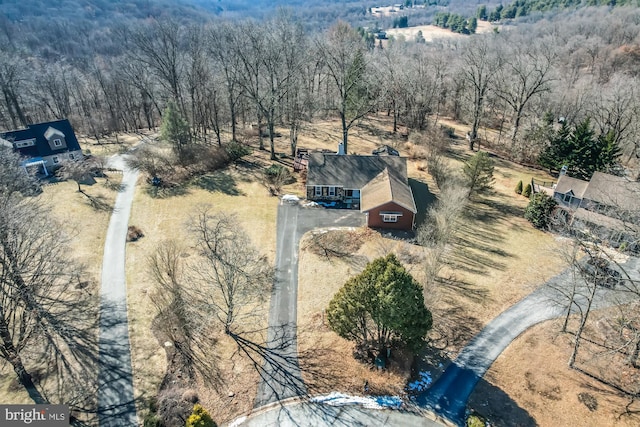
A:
533,373
113,144
431,32
166,218
86,228
318,280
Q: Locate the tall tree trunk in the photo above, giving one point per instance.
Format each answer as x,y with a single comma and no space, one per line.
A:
272,146
15,360
583,322
345,132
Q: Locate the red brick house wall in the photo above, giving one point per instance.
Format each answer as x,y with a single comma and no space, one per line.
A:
405,222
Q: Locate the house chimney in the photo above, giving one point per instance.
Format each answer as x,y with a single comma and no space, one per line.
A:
341,149
563,170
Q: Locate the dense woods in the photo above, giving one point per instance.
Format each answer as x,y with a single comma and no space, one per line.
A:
221,75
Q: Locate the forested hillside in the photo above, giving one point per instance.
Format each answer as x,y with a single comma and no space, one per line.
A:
110,75
520,8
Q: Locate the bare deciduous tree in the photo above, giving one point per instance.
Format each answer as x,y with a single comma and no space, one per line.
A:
235,277
347,66
48,320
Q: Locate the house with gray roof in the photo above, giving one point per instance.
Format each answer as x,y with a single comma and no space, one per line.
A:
44,146
376,185
605,207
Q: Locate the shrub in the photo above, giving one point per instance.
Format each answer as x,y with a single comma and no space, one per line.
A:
519,187
475,421
200,418
237,150
275,177
134,233
539,210
527,191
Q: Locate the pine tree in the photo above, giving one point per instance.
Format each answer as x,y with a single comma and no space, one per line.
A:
380,307
478,173
175,130
519,187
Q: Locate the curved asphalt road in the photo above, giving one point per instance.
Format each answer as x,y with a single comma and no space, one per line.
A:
449,394
281,377
115,393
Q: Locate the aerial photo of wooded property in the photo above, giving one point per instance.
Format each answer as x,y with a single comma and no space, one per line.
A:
318,213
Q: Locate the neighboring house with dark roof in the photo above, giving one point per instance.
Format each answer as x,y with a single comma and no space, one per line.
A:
377,185
607,206
44,145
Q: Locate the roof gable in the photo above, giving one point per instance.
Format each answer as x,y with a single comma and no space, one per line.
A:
566,184
384,188
51,132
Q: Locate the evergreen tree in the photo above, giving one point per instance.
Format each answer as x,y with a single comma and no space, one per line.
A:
581,151
558,150
481,13
519,187
539,210
478,173
175,130
382,306
473,25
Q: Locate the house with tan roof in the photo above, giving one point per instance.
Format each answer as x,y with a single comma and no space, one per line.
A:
376,185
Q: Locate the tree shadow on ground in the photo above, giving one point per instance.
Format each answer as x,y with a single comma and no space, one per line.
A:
249,170
496,407
479,238
97,203
486,400
453,328
165,192
219,182
423,198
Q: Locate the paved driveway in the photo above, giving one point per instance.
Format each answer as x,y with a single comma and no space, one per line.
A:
115,393
281,378
319,415
449,394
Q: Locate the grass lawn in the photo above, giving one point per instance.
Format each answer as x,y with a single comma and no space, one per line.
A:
235,192
86,228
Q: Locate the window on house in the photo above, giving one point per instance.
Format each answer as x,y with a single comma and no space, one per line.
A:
390,217
57,142
318,190
72,156
348,193
56,159
567,198
332,191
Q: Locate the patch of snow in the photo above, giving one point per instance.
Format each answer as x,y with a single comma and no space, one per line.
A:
422,383
311,205
370,402
237,422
